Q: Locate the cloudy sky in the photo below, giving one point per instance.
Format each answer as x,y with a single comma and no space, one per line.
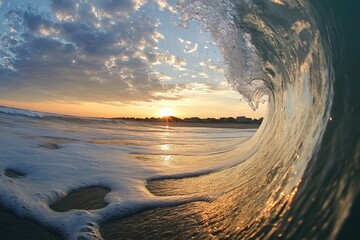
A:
111,58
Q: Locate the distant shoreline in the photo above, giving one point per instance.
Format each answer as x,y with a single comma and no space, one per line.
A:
200,124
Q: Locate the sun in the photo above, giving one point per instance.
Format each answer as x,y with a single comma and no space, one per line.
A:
166,112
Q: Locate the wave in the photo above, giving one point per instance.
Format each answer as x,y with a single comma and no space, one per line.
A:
26,113
289,51
54,116
297,177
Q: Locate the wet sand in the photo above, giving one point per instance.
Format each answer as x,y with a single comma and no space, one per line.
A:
84,199
13,173
13,228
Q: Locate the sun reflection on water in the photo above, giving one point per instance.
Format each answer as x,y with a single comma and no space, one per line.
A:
165,147
167,159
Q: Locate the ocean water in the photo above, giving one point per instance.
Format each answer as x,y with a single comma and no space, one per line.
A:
54,155
296,177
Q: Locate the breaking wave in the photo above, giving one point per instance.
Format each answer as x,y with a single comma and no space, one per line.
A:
297,177
27,113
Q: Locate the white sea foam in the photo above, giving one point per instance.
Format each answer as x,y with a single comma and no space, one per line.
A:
28,113
99,154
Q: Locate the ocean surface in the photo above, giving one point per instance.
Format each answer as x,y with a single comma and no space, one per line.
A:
296,177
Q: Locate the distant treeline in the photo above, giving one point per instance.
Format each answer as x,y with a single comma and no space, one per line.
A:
241,119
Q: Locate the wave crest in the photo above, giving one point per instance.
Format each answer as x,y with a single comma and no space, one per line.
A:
272,48
26,113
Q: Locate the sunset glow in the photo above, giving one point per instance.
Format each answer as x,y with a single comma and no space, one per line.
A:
106,71
166,112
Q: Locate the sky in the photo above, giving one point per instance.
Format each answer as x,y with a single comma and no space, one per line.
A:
111,58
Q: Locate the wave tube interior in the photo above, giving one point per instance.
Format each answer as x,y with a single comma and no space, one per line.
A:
297,177
301,179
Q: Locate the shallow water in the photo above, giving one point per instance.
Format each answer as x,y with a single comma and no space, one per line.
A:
40,181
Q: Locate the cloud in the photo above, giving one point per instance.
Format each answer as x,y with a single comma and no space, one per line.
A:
83,51
172,60
92,10
163,4
189,47
192,50
162,76
189,90
203,75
